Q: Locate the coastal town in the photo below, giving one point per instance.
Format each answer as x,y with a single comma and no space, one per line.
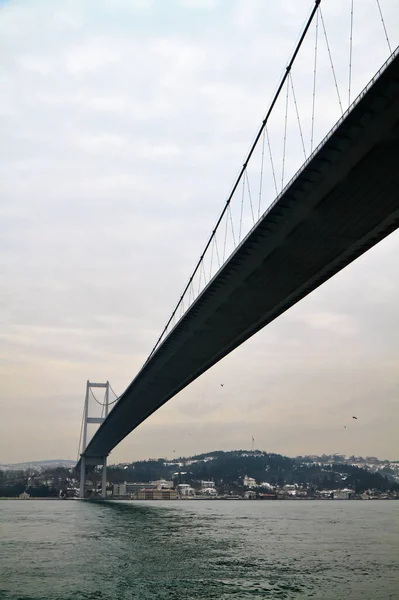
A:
235,475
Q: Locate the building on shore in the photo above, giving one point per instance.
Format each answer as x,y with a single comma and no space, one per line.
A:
207,484
154,494
131,489
249,482
344,494
161,484
208,488
209,491
250,495
185,490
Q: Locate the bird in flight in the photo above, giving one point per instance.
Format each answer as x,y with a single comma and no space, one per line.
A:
222,384
354,418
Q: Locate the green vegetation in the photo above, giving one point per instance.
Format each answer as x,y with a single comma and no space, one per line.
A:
45,484
226,469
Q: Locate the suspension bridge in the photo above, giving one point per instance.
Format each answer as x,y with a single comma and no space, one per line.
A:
260,260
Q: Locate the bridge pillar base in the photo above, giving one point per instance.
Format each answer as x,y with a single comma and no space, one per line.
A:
104,479
93,461
82,477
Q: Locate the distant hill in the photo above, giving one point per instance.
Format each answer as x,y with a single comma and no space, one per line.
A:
228,469
38,465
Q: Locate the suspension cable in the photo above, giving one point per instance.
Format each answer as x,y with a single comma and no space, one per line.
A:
103,403
95,398
297,116
242,208
243,168
285,134
217,251
190,293
203,271
314,81
81,432
250,196
225,239
383,24
232,226
331,60
110,387
199,286
261,173
212,253
271,160
350,56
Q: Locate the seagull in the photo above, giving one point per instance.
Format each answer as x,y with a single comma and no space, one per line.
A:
354,418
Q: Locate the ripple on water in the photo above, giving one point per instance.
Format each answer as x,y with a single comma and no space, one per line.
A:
198,551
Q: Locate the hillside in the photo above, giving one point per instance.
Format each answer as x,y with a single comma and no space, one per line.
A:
227,469
38,465
309,474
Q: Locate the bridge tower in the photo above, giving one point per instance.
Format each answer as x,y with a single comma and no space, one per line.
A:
86,461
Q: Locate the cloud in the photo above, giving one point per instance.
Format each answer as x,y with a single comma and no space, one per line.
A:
124,125
334,323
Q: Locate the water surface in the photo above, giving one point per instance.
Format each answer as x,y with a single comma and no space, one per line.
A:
71,550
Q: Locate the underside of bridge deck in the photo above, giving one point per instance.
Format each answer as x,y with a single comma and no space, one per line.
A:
342,202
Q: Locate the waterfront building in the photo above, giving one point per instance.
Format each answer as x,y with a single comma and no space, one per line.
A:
290,490
129,489
161,484
207,484
185,490
210,491
249,482
156,494
250,495
344,494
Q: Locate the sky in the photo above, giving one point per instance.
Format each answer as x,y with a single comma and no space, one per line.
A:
123,126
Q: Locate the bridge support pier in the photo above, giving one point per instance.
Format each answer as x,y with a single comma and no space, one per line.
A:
86,461
93,461
104,478
82,477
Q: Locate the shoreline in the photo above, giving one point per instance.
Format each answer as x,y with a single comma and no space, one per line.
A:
110,499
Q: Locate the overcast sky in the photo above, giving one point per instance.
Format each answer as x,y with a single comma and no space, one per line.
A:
123,125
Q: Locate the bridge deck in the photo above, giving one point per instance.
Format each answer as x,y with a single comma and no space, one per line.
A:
343,201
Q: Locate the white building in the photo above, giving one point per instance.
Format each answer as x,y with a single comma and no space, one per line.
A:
207,484
250,495
290,490
267,485
185,491
129,488
210,491
162,484
249,482
344,494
